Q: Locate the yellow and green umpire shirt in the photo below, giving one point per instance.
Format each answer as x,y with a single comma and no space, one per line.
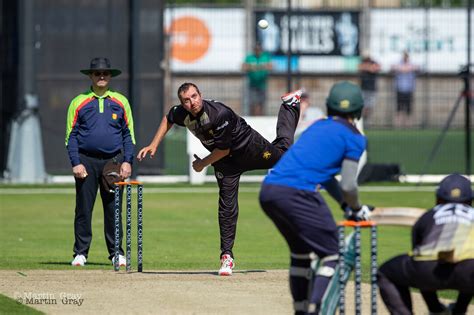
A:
99,125
446,232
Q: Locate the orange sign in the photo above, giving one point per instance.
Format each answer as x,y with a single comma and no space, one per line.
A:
190,39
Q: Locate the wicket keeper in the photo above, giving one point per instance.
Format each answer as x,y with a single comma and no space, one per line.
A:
442,254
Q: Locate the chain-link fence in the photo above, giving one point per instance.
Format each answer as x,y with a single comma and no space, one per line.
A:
207,44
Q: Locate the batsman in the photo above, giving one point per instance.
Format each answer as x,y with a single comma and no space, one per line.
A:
291,199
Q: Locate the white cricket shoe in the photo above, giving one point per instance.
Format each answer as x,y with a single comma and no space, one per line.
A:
227,264
122,261
79,260
292,98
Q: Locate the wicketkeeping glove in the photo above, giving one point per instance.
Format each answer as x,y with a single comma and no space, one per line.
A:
362,214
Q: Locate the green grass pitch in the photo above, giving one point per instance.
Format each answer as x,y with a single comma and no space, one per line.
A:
180,229
10,306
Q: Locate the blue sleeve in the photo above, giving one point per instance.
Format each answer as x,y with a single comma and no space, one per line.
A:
73,148
355,147
128,146
72,144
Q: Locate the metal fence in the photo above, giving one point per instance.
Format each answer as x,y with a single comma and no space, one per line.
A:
207,44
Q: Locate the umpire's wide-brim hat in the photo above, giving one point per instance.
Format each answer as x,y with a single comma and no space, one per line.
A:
101,64
455,188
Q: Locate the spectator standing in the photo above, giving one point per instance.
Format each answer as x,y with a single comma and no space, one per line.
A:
405,83
257,65
368,73
308,113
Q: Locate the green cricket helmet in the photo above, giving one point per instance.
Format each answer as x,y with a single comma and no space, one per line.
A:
345,99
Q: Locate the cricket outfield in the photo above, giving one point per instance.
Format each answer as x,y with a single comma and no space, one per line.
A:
181,249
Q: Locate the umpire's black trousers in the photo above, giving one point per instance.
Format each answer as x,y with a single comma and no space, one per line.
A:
396,276
259,154
86,193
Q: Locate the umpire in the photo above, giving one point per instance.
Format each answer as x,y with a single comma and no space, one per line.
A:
99,129
442,254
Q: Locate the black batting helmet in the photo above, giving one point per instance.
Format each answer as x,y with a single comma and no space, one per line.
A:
455,188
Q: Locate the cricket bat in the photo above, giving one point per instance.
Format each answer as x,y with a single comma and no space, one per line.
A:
404,216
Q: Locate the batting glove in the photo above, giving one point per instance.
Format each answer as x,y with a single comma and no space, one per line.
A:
362,214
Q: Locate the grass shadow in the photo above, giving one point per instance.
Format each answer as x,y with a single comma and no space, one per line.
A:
196,272
68,263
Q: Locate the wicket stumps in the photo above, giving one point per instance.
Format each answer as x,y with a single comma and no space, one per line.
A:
357,265
118,210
